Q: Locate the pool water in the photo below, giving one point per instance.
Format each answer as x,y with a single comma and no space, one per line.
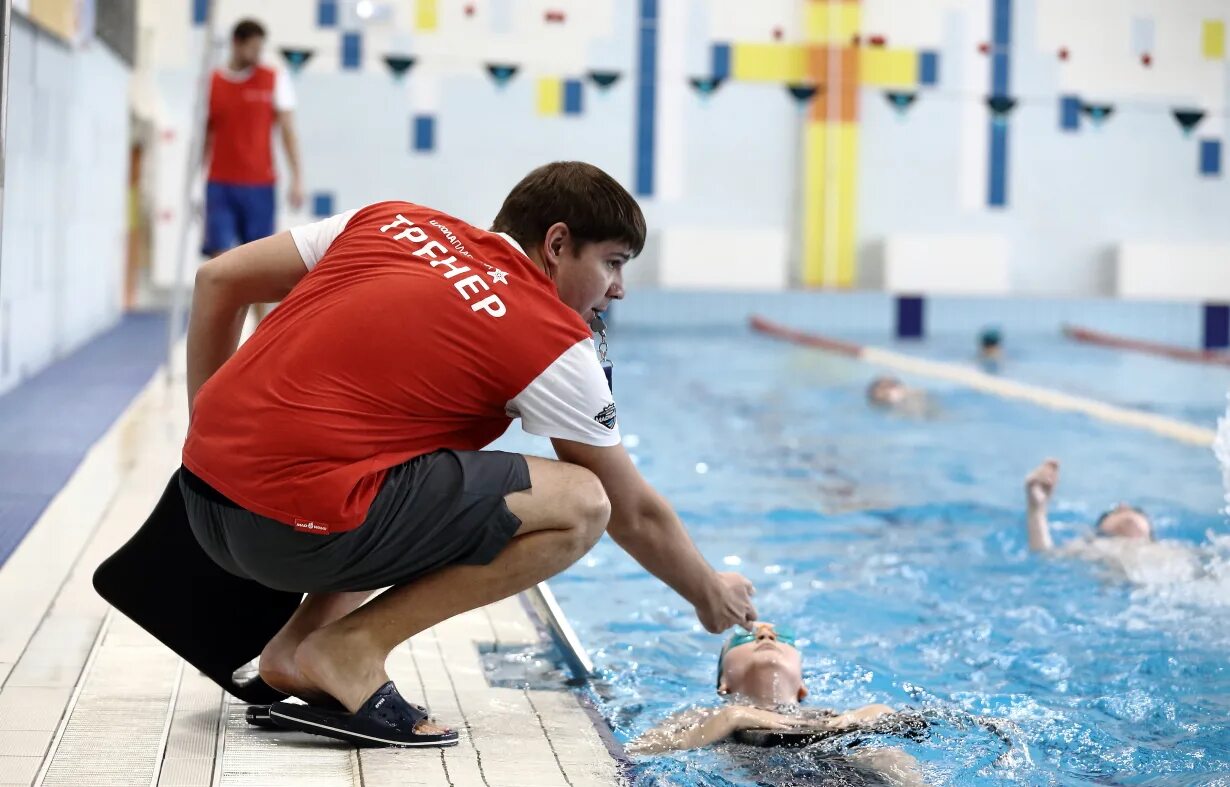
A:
896,548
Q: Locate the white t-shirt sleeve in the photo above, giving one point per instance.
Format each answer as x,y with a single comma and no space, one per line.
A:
313,240
569,400
283,91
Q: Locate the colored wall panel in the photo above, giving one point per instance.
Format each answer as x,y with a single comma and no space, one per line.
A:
326,13
646,96
550,96
322,204
200,10
928,68
997,145
830,204
838,69
1216,326
721,61
847,204
424,133
352,50
814,181
572,97
889,67
426,15
1069,113
997,176
911,317
770,62
832,22
1214,39
1210,157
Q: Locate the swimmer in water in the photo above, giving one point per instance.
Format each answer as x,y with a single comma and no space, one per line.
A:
892,394
1123,537
760,675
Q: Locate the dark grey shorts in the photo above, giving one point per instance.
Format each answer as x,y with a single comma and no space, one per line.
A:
436,510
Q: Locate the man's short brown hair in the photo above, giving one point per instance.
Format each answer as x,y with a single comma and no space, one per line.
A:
246,29
592,203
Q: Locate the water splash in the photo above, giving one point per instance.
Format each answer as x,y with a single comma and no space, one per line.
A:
1221,447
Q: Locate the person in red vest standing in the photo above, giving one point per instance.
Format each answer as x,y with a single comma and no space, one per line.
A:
246,101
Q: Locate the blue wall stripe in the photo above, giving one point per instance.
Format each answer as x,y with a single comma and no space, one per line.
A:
646,103
424,133
997,169
200,10
910,317
1216,326
1069,113
572,97
352,50
326,13
721,61
322,204
997,181
999,73
1002,23
1210,157
928,68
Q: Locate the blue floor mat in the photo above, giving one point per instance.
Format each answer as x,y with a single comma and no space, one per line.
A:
48,422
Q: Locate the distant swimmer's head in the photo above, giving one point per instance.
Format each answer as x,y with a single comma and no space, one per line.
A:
990,343
762,665
886,391
1125,521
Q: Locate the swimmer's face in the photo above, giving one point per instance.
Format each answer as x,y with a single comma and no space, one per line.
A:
247,53
886,391
765,670
1123,521
589,277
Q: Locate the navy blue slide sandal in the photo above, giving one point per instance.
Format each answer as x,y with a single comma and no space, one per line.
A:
386,719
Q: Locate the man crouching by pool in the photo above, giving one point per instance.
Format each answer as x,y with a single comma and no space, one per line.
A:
760,675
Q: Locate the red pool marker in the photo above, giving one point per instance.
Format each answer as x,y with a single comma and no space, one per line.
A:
1139,345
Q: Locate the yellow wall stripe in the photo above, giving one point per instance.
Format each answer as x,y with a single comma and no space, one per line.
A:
846,181
769,63
888,67
426,15
550,95
1214,43
831,23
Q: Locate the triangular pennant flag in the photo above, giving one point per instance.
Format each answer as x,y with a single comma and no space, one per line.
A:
501,72
801,92
705,85
900,101
604,79
296,58
1097,113
399,64
1188,119
1001,107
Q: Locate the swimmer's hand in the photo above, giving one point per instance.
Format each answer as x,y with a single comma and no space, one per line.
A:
728,603
1040,484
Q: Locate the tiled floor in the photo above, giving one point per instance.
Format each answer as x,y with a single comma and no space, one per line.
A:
88,698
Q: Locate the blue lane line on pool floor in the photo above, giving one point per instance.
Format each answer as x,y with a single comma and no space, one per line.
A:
50,421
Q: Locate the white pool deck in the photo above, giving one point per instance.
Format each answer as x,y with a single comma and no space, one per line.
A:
88,698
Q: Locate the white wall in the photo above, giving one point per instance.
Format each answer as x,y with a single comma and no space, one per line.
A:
731,162
65,222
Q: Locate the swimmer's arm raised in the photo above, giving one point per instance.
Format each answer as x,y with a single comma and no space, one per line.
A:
263,271
1039,486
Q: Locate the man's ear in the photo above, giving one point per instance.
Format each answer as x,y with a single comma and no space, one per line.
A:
723,688
802,691
554,242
